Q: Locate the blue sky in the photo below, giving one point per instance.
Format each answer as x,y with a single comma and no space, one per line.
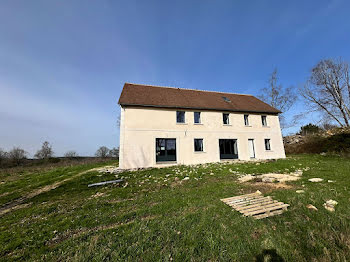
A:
63,63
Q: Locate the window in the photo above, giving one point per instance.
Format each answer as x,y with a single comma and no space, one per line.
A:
263,120
198,145
180,116
165,149
226,99
225,119
267,144
197,117
246,120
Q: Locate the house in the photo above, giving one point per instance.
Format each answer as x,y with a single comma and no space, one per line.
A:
162,126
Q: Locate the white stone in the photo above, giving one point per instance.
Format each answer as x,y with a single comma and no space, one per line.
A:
316,179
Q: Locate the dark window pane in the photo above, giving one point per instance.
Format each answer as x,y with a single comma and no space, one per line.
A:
267,144
263,120
225,118
246,120
165,149
197,117
180,116
198,145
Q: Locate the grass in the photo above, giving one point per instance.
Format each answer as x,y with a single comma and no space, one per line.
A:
155,215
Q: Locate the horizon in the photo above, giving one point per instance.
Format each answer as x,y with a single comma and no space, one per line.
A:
63,64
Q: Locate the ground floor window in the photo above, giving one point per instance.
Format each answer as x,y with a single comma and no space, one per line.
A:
198,145
228,148
165,149
267,144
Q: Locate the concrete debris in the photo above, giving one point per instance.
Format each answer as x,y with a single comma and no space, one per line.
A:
330,205
108,169
300,191
330,181
272,177
309,206
186,178
316,179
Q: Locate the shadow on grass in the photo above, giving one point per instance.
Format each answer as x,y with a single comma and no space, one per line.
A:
269,255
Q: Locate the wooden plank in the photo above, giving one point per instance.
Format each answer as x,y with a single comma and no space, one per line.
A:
261,209
277,212
243,199
266,209
258,205
235,197
254,201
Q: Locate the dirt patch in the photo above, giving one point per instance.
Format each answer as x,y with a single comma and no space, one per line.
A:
267,187
271,177
2,212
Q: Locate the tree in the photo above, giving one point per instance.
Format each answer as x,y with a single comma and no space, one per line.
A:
17,155
71,154
309,129
114,152
328,90
3,155
45,151
102,152
278,96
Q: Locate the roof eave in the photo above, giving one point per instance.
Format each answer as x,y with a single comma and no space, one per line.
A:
201,108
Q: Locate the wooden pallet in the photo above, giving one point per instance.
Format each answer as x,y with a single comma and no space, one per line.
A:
256,205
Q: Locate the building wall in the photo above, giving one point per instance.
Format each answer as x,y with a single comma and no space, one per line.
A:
140,127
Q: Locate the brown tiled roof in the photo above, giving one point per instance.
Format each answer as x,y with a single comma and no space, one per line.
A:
170,97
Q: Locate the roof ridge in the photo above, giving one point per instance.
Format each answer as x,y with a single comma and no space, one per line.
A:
189,89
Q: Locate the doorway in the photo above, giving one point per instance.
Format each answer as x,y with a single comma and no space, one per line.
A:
228,148
251,148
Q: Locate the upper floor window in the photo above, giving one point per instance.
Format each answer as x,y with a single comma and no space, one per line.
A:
180,116
225,118
246,120
267,144
264,120
197,117
198,145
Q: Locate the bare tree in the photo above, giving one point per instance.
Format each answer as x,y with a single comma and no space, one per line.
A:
102,152
71,154
114,152
3,155
17,155
328,90
118,121
45,151
278,97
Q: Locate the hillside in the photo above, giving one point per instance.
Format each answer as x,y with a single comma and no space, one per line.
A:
331,141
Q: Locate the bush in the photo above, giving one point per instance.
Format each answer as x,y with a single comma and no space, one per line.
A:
17,155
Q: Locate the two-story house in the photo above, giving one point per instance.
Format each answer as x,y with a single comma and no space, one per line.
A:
162,126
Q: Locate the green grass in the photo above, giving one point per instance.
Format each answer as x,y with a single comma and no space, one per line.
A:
156,218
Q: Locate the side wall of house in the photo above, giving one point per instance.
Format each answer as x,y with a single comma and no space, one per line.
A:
140,127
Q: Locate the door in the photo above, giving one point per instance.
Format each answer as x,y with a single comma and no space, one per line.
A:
165,149
228,148
251,148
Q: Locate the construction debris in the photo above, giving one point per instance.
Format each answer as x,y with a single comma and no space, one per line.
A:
272,177
312,207
300,191
106,182
330,205
256,205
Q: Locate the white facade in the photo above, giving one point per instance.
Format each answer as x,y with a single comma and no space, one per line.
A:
141,126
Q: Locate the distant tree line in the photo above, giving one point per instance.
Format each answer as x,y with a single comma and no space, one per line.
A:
17,155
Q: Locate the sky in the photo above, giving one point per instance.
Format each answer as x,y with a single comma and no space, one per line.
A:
63,63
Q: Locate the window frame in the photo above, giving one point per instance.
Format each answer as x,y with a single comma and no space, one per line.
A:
264,120
184,117
246,119
194,145
228,119
268,144
194,117
166,157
